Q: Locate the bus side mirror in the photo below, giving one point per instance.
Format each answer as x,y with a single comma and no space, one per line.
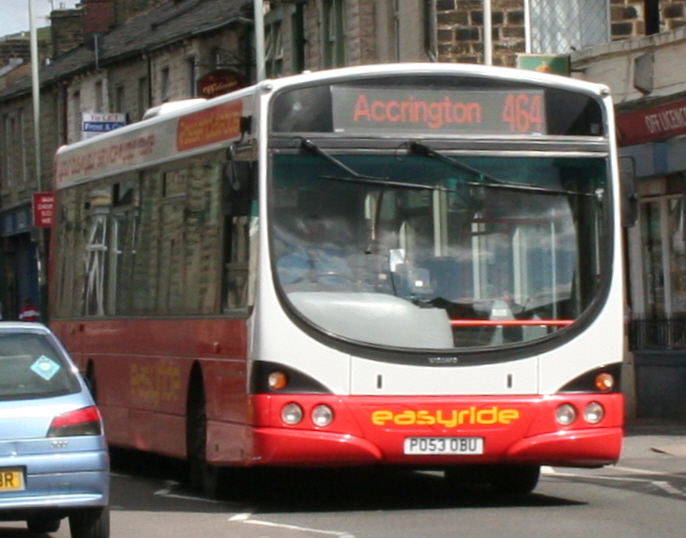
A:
627,176
237,183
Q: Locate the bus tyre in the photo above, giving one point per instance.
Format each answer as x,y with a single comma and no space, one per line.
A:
90,381
515,480
202,475
90,523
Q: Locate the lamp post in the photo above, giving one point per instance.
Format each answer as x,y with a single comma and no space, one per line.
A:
38,169
258,7
488,33
36,94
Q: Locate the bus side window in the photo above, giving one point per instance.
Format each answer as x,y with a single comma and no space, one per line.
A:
238,193
237,187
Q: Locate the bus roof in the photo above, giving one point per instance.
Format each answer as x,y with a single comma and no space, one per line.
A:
195,126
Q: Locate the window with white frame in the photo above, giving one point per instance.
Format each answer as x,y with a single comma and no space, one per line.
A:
192,77
99,96
120,99
560,26
273,44
22,137
333,32
298,40
164,85
5,152
143,96
76,115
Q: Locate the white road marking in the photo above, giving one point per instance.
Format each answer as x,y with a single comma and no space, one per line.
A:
658,484
170,485
245,518
240,517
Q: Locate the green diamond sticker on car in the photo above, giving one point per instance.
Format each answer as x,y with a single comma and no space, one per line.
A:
45,367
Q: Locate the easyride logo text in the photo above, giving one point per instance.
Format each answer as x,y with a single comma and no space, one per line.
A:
448,418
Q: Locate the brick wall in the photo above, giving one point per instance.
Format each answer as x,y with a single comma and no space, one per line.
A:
460,30
460,26
98,16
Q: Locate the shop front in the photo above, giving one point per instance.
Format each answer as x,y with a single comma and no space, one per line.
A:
19,261
654,141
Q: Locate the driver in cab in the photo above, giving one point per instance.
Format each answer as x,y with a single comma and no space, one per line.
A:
317,256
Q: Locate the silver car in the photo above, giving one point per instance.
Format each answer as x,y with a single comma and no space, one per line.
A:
53,455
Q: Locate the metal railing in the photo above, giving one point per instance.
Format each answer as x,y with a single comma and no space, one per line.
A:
657,334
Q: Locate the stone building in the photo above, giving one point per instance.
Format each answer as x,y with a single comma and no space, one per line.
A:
111,62
124,56
644,74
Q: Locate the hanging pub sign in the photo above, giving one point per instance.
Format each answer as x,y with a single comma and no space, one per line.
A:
219,83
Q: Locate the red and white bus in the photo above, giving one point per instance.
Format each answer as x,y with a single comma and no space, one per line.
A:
414,265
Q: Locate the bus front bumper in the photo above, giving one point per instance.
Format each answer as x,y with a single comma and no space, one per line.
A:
578,448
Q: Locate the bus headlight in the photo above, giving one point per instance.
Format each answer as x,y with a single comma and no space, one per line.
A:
565,414
292,413
594,413
322,415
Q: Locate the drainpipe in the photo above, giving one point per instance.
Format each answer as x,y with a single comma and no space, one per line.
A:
430,24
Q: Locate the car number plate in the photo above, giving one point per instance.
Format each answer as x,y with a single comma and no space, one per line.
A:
444,445
11,480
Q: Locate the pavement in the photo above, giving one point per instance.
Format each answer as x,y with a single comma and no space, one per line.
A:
654,437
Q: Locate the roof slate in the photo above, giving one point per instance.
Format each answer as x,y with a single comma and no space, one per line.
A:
170,22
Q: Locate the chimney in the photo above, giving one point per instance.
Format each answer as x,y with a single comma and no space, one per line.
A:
125,10
67,30
98,16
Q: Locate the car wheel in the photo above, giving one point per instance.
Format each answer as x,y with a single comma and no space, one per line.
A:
515,480
43,525
90,523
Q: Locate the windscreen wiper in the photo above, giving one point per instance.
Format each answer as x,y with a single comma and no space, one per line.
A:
487,180
356,177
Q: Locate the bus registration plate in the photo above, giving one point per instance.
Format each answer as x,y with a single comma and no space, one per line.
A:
444,445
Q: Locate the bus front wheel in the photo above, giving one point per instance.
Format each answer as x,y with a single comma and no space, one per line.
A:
515,480
505,480
204,476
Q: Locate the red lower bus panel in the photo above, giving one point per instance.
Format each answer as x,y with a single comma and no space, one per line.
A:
314,448
577,448
369,430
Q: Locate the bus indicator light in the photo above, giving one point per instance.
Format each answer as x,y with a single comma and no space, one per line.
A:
605,382
278,380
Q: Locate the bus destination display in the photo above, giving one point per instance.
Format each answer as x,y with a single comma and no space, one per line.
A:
396,110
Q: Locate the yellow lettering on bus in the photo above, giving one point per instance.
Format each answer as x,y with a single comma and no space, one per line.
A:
379,418
448,418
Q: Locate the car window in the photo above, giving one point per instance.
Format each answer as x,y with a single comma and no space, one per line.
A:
30,367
